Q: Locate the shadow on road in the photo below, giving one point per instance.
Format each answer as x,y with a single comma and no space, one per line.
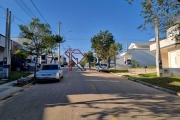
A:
113,97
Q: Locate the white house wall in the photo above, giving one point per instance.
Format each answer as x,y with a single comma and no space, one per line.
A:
174,58
2,41
144,57
120,62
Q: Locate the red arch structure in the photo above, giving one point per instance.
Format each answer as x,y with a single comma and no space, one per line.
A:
71,52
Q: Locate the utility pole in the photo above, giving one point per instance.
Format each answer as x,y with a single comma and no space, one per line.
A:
126,44
59,45
9,45
6,61
70,58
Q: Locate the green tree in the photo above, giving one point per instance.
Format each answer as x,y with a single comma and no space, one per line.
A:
88,58
101,43
20,54
51,43
134,64
114,50
35,33
160,14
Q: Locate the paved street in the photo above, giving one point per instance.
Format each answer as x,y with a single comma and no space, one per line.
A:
90,95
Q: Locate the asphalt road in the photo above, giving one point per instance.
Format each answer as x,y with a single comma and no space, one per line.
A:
90,95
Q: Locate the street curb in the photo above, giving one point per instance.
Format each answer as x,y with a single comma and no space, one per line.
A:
154,86
18,91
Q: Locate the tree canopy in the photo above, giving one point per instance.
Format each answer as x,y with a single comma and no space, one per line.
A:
166,11
103,43
20,54
88,57
35,33
114,50
39,38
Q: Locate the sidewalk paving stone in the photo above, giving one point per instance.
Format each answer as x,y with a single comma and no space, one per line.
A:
7,89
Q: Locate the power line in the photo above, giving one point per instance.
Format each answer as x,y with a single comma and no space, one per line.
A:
13,15
38,11
2,17
19,19
41,14
85,39
23,8
3,8
26,6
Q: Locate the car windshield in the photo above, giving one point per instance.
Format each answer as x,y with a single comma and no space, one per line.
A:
50,67
103,64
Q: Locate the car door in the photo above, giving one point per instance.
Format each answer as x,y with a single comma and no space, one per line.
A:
60,70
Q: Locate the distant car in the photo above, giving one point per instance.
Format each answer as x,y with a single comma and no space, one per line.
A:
18,64
50,72
65,63
102,67
62,65
31,62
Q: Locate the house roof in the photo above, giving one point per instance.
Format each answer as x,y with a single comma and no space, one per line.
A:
154,39
125,54
2,35
142,45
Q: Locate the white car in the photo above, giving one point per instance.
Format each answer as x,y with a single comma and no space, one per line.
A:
102,67
32,63
49,72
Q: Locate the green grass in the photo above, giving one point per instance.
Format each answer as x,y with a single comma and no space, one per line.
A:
147,67
118,70
148,75
172,83
16,75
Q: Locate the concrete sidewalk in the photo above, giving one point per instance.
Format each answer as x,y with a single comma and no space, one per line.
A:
8,89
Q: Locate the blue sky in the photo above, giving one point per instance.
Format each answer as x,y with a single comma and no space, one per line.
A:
85,18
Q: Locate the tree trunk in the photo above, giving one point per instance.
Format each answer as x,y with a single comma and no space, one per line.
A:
52,58
158,53
114,62
109,62
35,69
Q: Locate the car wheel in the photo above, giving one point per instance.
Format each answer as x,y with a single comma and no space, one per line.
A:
59,79
37,81
62,76
18,69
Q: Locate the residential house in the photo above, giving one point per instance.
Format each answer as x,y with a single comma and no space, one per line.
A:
139,52
170,52
42,58
13,46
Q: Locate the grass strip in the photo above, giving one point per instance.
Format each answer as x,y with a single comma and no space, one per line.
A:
14,75
171,83
118,70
